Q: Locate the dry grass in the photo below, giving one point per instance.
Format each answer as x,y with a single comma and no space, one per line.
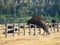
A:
52,39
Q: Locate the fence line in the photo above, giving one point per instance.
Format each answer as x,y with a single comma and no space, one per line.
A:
35,27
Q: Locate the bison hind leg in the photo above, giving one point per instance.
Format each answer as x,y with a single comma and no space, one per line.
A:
46,33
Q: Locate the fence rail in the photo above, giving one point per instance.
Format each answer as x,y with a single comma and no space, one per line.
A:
56,28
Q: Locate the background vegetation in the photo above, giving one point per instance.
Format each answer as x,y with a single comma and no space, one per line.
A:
23,10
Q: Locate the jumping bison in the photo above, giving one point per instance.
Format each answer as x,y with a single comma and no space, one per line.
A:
37,20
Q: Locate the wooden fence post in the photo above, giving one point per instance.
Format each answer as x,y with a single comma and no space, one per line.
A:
29,29
54,27
5,30
39,30
34,29
13,29
57,27
18,30
24,29
51,26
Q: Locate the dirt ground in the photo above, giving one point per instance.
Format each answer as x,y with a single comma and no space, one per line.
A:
52,39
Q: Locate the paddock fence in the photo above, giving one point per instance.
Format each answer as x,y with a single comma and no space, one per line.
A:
24,29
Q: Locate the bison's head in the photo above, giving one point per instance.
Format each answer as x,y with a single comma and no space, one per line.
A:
33,20
30,22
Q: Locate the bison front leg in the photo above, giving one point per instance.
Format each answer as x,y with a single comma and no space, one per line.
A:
46,32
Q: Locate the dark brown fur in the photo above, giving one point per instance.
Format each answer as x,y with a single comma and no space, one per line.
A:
37,20
53,23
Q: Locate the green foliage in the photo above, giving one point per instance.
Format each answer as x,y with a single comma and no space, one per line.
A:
11,12
22,19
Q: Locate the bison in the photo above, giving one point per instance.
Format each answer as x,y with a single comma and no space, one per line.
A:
53,23
38,21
